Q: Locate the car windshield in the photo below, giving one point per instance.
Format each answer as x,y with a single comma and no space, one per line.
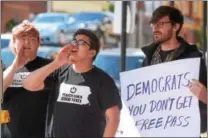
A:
111,64
4,43
49,19
89,16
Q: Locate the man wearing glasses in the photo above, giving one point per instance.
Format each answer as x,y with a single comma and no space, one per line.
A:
86,101
27,110
166,24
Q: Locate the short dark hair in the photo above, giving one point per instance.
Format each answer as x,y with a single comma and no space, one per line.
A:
94,40
173,13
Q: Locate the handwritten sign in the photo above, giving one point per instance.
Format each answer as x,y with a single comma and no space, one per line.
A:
158,99
126,124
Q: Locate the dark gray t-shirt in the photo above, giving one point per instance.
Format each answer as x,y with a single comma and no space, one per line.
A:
77,107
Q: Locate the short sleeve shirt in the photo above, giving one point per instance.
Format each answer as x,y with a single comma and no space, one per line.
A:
80,101
27,109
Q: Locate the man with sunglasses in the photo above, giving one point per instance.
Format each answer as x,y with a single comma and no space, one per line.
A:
166,24
86,101
27,110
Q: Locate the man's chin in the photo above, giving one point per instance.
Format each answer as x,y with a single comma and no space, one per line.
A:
73,57
71,62
158,41
27,56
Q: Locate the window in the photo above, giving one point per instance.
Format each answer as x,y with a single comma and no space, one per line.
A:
150,6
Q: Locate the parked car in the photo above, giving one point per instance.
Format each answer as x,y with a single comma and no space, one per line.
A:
109,61
90,20
5,39
94,21
7,56
53,27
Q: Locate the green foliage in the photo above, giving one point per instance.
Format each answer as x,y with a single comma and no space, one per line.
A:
111,7
199,34
10,24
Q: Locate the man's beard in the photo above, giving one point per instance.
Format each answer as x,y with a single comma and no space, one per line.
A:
162,39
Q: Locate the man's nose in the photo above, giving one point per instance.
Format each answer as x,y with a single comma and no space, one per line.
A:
27,43
155,28
75,45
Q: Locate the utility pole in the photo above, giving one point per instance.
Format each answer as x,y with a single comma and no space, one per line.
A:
123,35
204,42
49,6
140,25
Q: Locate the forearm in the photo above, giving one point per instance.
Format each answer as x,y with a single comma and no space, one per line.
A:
8,76
35,81
111,128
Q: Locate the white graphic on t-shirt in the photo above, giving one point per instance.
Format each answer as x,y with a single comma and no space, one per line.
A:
18,78
75,94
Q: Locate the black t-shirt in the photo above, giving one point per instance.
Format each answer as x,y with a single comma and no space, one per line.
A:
164,54
27,109
80,101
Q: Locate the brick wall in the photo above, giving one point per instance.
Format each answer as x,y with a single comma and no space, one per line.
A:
19,10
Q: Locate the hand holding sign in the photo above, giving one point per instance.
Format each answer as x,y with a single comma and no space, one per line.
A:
160,103
199,90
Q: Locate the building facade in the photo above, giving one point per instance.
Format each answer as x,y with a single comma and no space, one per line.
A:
19,10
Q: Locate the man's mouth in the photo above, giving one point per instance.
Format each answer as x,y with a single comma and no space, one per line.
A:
26,48
156,33
74,50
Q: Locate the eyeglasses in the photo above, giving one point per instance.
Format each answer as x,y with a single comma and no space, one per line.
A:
30,38
159,24
79,42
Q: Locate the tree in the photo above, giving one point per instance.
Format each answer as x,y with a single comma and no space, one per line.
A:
111,7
